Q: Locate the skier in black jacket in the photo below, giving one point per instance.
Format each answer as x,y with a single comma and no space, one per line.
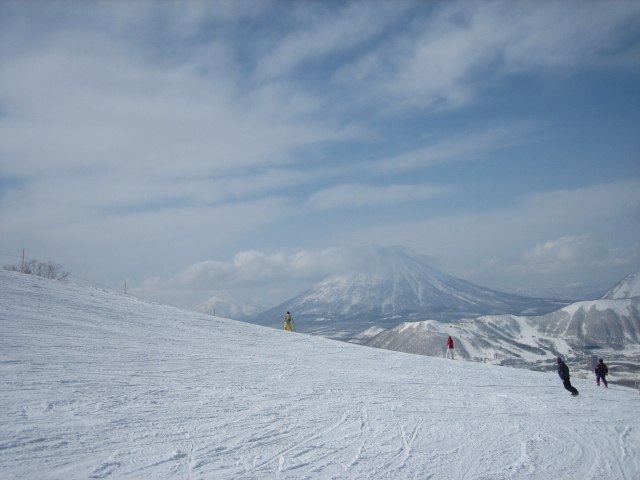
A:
601,373
563,372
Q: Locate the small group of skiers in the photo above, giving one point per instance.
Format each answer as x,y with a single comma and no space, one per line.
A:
601,369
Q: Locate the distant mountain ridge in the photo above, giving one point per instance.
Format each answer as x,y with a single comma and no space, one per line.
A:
392,285
608,327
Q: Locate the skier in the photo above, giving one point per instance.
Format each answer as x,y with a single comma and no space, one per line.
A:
449,348
563,372
288,323
601,372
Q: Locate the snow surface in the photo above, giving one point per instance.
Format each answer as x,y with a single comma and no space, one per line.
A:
95,384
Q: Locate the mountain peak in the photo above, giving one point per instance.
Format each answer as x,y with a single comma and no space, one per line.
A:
377,261
388,285
629,287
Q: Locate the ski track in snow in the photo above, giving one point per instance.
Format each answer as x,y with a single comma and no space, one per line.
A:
100,385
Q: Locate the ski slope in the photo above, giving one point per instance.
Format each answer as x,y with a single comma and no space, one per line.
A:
95,384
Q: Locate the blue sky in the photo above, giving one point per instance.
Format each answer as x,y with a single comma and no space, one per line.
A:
190,148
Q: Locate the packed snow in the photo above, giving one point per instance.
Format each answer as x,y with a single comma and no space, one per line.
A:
96,384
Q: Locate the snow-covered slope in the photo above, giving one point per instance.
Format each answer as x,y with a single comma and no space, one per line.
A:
96,384
393,285
629,287
598,323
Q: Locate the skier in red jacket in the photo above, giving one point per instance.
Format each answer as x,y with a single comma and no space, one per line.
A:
449,347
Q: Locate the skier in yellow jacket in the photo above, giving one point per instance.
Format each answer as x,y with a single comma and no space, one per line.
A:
288,323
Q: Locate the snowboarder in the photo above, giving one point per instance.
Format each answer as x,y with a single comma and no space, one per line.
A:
449,348
288,323
601,372
563,372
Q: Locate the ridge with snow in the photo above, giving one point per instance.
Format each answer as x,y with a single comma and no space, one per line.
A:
604,328
629,287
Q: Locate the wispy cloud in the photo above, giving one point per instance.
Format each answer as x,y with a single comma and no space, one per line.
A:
255,267
524,236
567,252
144,119
446,57
360,195
320,33
462,147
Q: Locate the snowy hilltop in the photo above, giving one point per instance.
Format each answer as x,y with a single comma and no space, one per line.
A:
578,332
96,384
392,285
629,287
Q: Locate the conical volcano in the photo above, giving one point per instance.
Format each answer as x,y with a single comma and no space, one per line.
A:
389,285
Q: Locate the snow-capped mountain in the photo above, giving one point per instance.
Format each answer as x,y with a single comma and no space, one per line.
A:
594,324
603,327
392,285
629,287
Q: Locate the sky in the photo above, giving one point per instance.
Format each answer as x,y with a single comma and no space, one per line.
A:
193,148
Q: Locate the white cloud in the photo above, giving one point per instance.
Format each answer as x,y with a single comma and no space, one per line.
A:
443,59
566,251
254,268
462,146
144,119
321,33
492,244
114,246
359,195
116,151
576,251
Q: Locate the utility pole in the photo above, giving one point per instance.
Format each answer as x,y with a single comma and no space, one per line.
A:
22,264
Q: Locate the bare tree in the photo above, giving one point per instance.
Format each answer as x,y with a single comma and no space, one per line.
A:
42,269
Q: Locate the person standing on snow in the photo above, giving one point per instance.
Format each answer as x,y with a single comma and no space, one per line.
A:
449,348
601,372
288,322
563,372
